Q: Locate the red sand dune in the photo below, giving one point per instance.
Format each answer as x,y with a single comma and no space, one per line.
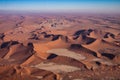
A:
58,47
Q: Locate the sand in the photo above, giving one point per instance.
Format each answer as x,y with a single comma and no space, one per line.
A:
59,47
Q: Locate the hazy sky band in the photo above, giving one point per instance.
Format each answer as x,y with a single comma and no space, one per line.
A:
62,5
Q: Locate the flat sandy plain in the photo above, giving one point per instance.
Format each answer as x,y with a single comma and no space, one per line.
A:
59,47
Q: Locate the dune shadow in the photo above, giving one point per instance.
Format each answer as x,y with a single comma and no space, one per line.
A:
110,56
52,56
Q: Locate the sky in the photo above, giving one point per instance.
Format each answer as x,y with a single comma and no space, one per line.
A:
89,6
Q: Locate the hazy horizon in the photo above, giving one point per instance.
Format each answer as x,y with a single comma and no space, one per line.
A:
61,6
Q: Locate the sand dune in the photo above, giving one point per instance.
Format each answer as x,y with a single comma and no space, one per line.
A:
65,52
96,34
12,50
100,44
41,49
59,47
67,61
32,60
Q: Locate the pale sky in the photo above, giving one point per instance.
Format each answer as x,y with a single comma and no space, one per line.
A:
99,6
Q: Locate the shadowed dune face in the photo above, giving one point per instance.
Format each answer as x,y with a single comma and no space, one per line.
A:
82,49
52,56
59,47
107,35
110,56
8,44
2,35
